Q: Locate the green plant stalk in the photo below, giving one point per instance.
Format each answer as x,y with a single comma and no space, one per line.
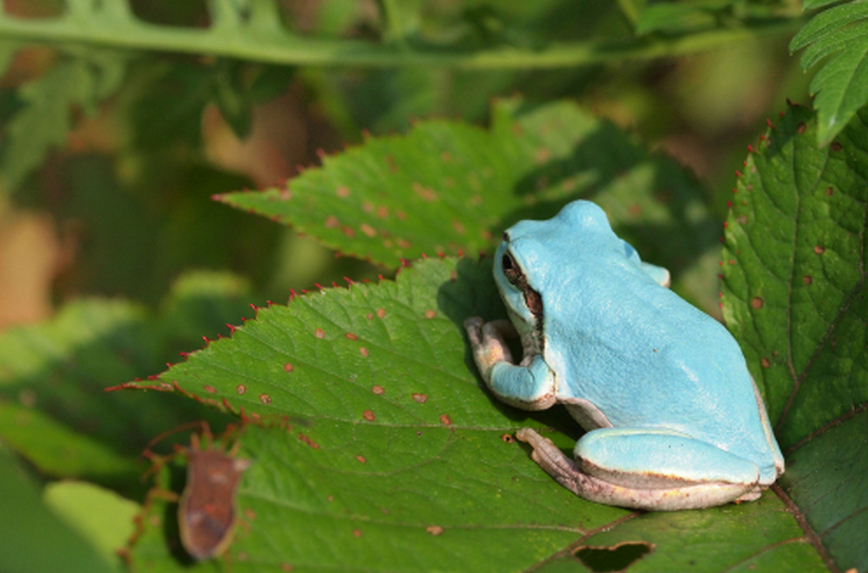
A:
257,42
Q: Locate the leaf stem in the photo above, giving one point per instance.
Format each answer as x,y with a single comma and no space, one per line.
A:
246,42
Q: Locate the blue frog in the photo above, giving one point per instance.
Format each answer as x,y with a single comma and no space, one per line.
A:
673,418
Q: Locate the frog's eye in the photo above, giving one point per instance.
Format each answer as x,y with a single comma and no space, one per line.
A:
510,269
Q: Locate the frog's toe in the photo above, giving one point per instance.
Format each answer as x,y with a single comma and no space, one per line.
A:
473,324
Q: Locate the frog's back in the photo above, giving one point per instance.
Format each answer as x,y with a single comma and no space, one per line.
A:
647,358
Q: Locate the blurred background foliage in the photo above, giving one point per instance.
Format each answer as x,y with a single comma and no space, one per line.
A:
111,149
110,156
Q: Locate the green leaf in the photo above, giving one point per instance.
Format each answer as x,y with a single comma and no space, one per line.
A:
841,85
177,93
795,296
814,4
253,30
44,122
54,409
101,516
388,454
35,540
447,187
680,17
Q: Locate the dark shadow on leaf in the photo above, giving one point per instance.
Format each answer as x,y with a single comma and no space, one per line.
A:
616,558
601,159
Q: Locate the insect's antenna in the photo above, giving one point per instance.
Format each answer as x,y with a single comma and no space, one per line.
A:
202,424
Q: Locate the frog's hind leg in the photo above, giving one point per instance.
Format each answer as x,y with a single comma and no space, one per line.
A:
638,488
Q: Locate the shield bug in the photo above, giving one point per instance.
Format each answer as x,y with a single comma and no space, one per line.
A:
207,512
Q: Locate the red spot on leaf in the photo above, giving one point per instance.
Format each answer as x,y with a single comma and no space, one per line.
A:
308,441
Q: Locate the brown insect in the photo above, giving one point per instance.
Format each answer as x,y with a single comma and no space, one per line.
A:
207,513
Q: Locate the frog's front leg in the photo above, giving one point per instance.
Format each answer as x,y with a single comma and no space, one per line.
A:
647,469
530,387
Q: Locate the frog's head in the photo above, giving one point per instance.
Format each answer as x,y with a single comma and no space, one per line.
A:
536,258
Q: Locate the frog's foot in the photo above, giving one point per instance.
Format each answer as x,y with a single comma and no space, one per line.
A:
488,341
634,489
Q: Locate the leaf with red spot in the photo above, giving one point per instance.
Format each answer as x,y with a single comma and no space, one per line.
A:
796,298
448,187
398,459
